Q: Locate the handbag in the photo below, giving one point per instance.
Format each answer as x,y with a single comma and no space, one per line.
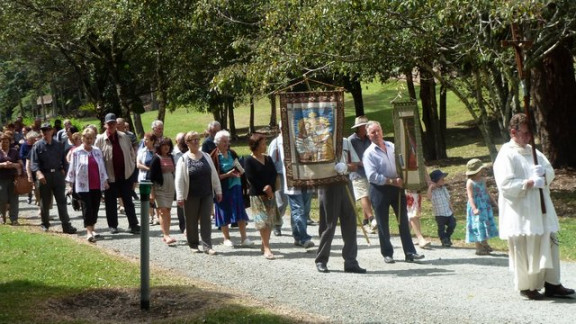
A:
22,186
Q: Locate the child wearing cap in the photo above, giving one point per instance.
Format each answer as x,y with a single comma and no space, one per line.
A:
442,207
480,224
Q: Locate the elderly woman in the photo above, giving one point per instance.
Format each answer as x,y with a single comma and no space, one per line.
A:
231,208
88,178
72,143
10,167
197,182
161,173
25,148
143,160
261,174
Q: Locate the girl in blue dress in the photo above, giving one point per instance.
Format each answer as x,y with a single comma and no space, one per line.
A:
480,223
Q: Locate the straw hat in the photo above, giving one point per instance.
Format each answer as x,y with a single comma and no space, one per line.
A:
474,166
360,121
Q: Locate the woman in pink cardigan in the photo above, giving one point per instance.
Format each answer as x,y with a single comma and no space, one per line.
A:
87,176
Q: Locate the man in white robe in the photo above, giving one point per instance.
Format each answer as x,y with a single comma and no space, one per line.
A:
531,234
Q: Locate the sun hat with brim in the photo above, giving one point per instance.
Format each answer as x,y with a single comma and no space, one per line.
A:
46,126
436,175
360,121
474,166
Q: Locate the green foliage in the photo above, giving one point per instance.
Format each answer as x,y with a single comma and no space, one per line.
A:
88,108
204,52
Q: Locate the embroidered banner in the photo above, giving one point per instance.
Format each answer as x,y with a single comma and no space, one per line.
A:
312,133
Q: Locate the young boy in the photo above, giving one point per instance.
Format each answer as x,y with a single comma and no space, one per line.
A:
442,207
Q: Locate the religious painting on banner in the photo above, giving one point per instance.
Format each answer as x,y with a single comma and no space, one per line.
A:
408,145
312,136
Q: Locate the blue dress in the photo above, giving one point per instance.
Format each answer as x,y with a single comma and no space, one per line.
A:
482,226
231,208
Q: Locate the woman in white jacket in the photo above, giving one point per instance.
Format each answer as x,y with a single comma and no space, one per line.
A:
197,183
87,176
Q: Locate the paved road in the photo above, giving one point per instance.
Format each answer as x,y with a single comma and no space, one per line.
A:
448,286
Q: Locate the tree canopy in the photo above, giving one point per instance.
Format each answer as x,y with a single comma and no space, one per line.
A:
215,53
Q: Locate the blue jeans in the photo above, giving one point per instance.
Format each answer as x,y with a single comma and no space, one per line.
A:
299,211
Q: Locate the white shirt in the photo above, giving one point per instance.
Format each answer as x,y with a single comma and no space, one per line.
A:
520,211
379,165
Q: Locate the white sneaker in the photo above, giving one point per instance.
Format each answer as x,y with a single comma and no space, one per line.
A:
228,243
247,242
307,244
374,226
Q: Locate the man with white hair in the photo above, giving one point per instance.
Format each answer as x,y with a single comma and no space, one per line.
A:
386,190
123,126
62,135
157,130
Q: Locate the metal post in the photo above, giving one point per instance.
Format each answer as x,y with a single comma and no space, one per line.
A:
145,188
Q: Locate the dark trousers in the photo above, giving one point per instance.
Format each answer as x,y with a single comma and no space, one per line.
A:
198,209
7,196
181,218
120,189
335,204
384,197
55,186
446,226
90,206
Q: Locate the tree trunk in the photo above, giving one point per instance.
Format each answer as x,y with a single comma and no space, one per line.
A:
441,139
138,127
223,114
273,116
483,118
355,88
55,110
230,108
251,128
410,84
554,92
126,111
429,115
161,86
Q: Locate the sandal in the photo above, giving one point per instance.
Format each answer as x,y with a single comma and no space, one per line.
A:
169,240
269,256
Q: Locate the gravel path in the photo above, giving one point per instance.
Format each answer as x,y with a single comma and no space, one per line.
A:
449,286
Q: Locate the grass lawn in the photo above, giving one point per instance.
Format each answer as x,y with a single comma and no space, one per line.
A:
54,278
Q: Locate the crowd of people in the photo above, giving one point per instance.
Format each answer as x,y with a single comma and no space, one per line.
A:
211,183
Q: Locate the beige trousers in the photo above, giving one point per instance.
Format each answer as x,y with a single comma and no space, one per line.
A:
534,259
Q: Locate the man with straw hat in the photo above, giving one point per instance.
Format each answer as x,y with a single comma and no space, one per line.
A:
531,230
360,142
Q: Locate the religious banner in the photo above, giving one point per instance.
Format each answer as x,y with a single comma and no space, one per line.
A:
312,135
408,145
